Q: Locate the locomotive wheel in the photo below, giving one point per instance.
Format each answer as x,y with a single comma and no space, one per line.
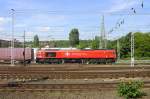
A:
62,61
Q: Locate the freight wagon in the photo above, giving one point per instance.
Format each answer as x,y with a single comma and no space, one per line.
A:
17,54
78,56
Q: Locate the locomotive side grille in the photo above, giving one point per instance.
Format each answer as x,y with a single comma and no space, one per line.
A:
51,54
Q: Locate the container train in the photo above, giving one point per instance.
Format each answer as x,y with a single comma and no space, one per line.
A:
17,54
59,56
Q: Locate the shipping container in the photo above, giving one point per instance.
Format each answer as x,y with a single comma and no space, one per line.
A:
17,54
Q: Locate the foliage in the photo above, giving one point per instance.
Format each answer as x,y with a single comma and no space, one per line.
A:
85,43
29,44
74,37
142,45
62,43
81,46
65,43
36,41
130,89
95,43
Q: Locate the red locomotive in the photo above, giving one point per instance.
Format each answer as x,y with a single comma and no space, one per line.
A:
78,56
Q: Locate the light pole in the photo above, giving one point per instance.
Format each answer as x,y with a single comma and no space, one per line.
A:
132,49
12,39
118,49
24,54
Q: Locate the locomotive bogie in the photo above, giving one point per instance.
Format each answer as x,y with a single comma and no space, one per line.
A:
81,61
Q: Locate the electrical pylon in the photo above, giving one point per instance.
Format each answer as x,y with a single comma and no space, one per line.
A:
103,40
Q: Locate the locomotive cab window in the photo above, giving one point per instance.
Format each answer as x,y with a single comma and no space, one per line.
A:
51,54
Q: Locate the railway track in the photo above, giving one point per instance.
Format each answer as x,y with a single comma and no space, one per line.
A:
81,72
74,64
91,74
72,72
63,87
70,68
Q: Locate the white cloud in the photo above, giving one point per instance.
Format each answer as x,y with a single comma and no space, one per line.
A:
52,29
30,34
1,29
1,19
20,25
4,20
118,5
43,29
47,18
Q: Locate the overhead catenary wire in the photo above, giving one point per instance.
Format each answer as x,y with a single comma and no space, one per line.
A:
119,13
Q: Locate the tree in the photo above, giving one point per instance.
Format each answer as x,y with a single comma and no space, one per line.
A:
95,43
74,37
36,41
141,45
81,45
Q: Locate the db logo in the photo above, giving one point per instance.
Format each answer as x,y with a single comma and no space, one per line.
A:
67,54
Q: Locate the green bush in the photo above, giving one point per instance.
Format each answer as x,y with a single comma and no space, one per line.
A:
130,89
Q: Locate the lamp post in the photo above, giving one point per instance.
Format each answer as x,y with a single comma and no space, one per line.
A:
12,39
24,51
118,50
132,49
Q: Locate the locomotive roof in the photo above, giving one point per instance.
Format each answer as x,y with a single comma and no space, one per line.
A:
74,49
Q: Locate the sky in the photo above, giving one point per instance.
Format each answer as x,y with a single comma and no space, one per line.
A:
54,19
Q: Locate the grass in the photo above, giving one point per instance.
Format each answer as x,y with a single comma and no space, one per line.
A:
101,94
